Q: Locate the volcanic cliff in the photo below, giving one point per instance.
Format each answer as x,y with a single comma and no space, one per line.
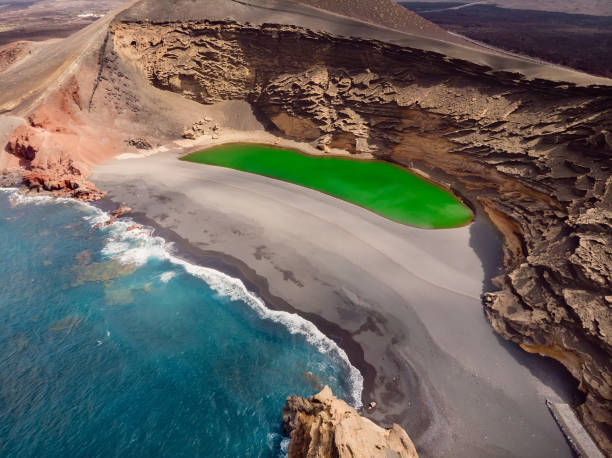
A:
534,151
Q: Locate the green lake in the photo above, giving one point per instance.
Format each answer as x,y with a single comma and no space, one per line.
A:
378,186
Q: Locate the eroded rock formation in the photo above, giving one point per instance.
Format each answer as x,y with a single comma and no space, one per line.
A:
536,154
50,145
323,426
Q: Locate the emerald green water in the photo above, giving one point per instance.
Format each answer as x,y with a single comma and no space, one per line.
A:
376,185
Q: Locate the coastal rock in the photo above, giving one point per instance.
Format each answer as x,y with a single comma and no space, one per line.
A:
61,181
10,179
114,215
120,211
323,426
139,143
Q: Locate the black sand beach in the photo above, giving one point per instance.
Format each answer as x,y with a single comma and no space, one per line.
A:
403,302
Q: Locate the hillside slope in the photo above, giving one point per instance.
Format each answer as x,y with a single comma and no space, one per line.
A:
554,37
594,7
386,13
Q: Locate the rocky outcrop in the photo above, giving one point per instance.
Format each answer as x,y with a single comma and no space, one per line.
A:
204,126
139,143
116,214
12,52
536,154
63,180
55,146
323,426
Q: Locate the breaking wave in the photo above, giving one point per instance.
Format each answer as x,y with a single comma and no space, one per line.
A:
137,247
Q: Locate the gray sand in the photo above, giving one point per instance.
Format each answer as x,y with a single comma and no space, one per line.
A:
409,297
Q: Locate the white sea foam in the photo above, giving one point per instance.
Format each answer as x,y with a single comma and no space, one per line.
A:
16,198
284,446
97,216
234,289
167,276
136,247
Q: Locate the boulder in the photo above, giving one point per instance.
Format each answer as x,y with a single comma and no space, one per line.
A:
323,426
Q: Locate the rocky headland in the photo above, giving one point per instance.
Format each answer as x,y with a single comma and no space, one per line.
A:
535,153
323,426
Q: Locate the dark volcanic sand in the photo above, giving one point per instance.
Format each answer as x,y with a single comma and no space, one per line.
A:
403,302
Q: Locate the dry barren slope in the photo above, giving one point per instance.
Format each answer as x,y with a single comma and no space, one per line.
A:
293,13
594,7
388,14
37,20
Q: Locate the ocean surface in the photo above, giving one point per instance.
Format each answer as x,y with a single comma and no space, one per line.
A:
114,346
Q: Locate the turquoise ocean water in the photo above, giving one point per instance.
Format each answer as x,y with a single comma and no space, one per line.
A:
114,346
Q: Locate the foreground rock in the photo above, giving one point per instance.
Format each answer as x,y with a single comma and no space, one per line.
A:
114,215
64,181
325,426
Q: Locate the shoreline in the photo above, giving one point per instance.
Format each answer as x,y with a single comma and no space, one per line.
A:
410,379
256,285
141,322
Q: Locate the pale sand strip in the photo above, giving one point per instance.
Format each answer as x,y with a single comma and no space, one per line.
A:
409,297
575,432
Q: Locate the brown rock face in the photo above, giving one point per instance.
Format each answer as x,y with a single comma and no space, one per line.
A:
536,154
323,426
62,182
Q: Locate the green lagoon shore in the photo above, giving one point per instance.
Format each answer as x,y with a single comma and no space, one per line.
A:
378,186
